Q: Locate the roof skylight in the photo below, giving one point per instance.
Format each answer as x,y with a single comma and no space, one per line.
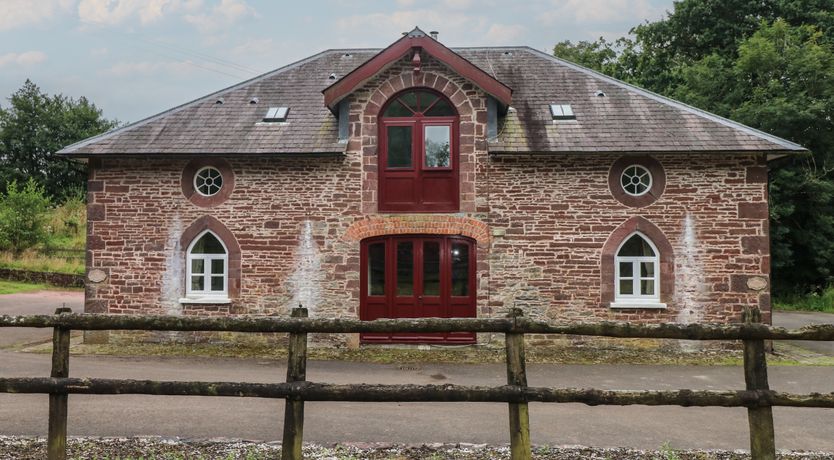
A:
562,112
277,114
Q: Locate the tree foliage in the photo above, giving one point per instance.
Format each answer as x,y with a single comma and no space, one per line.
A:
23,212
768,64
35,126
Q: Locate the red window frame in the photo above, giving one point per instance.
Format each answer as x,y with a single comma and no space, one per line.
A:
422,176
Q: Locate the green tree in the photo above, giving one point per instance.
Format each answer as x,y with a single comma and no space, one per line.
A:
23,213
770,65
34,127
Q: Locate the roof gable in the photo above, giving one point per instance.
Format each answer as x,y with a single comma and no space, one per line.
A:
415,40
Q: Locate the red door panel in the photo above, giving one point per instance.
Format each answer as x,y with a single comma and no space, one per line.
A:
418,277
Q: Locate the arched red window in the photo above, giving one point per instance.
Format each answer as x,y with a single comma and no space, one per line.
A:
418,161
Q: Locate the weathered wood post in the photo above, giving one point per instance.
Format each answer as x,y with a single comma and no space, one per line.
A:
57,435
294,407
517,375
760,419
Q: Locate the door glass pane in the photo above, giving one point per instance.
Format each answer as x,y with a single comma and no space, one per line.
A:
437,146
217,267
399,146
376,269
441,109
197,283
431,268
626,287
197,266
405,268
426,99
647,287
460,269
409,100
626,269
396,109
216,283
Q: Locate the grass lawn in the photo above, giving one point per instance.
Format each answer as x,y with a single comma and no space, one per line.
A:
14,287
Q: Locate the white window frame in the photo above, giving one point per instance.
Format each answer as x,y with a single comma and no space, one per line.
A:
647,171
197,176
637,299
206,295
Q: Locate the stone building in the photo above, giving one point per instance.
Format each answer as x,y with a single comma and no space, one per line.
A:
421,180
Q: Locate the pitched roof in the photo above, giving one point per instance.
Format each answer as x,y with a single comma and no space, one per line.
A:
416,40
626,119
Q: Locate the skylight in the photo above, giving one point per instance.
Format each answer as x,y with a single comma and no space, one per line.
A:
562,112
277,114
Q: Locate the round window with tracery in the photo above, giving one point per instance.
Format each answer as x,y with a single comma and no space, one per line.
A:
636,180
208,181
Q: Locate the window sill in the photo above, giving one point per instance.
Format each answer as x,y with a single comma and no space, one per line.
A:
206,300
638,304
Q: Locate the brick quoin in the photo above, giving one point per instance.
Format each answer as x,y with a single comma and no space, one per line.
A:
544,223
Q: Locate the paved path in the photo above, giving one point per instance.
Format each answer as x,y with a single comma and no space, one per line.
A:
35,303
796,319
197,417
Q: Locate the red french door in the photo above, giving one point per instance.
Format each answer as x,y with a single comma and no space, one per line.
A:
418,169
418,277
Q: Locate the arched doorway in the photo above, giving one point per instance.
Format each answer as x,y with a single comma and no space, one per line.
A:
418,276
418,155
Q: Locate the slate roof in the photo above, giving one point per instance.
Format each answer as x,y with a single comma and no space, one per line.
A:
626,119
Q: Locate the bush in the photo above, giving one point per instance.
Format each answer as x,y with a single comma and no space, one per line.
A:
23,214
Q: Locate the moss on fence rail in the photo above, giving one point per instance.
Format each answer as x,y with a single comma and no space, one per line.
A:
310,391
820,332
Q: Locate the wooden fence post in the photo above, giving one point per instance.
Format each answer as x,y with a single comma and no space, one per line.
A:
57,435
294,407
517,375
760,419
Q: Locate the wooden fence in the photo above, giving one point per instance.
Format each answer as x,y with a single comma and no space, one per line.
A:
756,397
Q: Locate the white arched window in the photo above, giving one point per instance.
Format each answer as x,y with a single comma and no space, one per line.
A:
637,273
207,268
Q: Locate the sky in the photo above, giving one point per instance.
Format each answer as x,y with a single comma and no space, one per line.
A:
135,58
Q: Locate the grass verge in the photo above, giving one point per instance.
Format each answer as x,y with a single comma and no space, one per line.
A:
822,302
15,287
31,260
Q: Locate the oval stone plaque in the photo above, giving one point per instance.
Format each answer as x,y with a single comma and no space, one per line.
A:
756,283
96,275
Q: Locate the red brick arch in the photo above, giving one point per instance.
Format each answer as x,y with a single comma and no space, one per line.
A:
419,225
666,256
215,226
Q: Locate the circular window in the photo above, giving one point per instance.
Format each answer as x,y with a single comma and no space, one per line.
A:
636,180
208,181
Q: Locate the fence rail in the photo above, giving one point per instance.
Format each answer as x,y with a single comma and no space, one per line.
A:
757,397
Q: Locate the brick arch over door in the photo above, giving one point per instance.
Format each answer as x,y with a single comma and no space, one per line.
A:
221,231
666,256
472,126
419,225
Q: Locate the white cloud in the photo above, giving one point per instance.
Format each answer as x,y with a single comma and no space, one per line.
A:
221,16
599,11
505,34
98,52
20,13
24,59
114,12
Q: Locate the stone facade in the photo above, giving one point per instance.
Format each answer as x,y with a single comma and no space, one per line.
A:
544,224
